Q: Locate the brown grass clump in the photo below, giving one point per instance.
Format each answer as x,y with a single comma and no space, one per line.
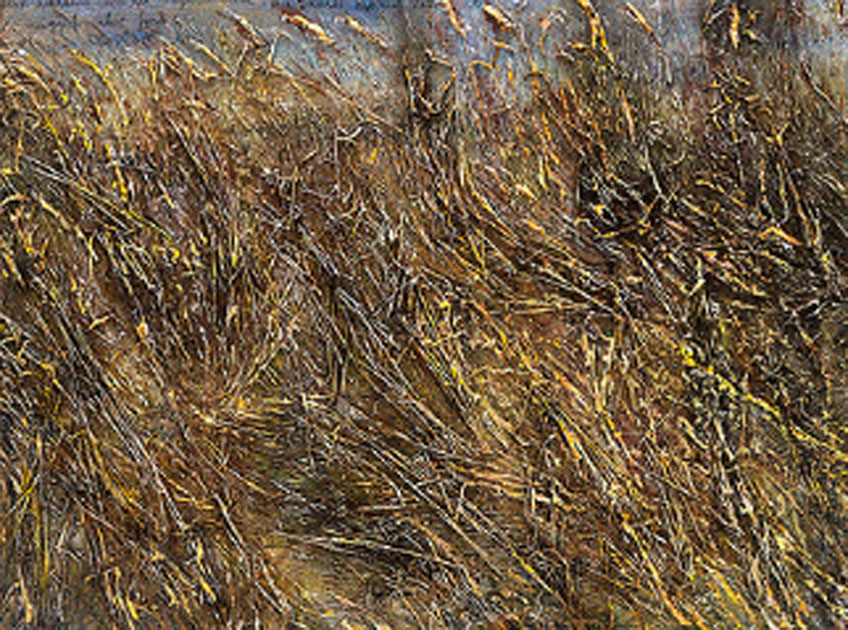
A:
276,355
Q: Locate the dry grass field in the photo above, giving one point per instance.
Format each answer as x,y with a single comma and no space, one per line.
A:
529,346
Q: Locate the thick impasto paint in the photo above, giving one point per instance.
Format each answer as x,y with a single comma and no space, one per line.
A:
448,314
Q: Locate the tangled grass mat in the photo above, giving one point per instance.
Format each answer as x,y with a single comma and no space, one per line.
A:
277,354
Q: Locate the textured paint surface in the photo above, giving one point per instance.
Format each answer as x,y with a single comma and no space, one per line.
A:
453,315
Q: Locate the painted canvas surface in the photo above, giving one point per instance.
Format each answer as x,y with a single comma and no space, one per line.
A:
407,314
